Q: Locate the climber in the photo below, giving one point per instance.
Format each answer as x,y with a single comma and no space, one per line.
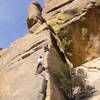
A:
46,48
40,67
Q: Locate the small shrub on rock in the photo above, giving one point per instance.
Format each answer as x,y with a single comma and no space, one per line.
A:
72,83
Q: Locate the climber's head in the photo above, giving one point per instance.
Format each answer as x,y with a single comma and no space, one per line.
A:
40,56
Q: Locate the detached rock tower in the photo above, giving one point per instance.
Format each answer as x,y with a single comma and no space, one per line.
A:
34,16
34,10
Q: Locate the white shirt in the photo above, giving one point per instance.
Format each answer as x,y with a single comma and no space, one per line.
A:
40,60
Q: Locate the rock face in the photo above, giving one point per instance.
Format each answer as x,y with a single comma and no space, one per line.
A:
19,63
92,69
77,25
2,51
71,29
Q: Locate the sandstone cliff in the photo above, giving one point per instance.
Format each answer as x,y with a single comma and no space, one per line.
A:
92,69
77,25
19,63
2,50
71,28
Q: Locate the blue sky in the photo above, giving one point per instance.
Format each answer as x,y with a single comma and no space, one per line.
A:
13,15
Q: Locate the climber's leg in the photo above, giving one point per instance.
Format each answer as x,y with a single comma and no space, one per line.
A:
38,68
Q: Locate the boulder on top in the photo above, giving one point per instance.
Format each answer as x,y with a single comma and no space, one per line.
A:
34,10
34,14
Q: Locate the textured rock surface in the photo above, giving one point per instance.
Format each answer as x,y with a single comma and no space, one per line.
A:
34,10
2,51
18,66
77,25
92,69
